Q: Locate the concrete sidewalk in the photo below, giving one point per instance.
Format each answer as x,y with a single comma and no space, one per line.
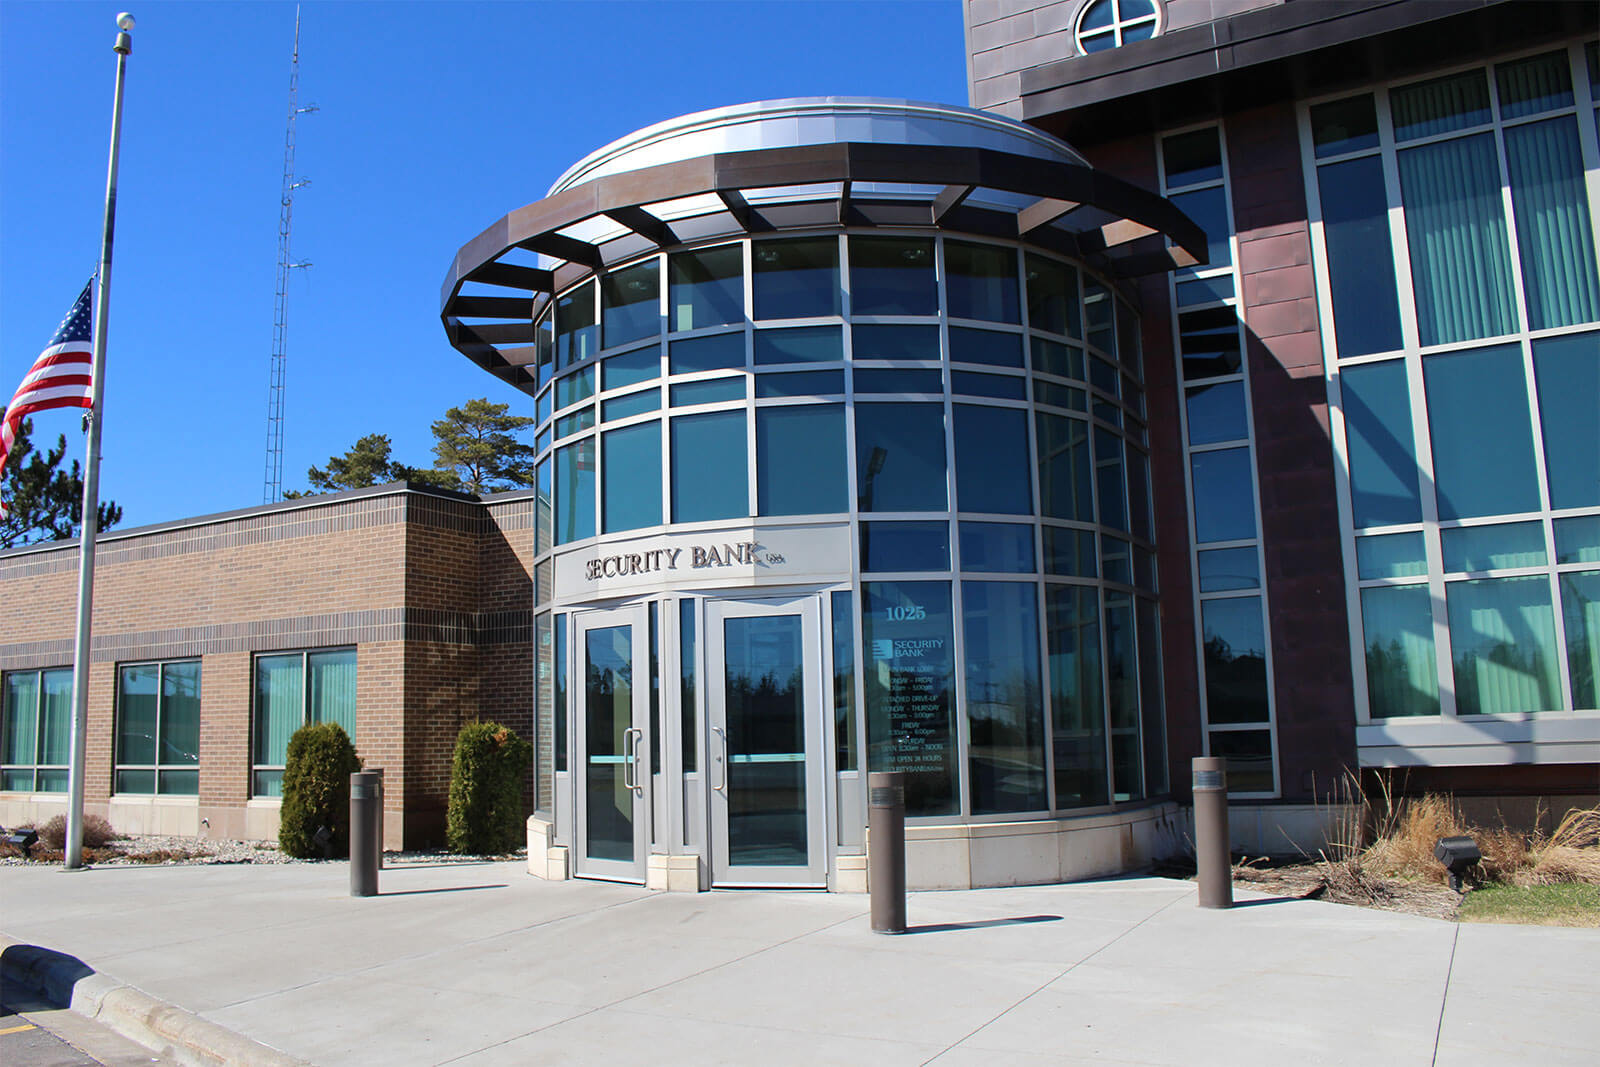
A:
481,964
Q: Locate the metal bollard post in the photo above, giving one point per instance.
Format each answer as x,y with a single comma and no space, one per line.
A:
1214,865
886,854
366,797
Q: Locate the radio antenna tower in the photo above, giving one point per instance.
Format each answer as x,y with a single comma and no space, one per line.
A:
272,483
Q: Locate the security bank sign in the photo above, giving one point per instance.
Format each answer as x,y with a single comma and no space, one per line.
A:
743,556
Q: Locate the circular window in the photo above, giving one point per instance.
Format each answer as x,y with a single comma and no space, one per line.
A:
1104,24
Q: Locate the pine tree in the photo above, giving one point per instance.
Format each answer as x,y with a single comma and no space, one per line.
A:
477,443
43,502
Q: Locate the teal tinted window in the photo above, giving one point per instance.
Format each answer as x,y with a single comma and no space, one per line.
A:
1400,555
900,462
632,495
1065,489
908,635
575,387
709,465
1440,105
575,491
1578,539
801,383
35,744
880,341
981,282
711,391
992,468
796,279
722,351
1568,373
1228,568
1004,697
630,303
1482,435
800,460
1224,501
577,332
1489,548
968,345
878,380
1555,234
1382,452
1205,290
1070,552
1235,660
1053,297
138,699
892,276
706,288
1503,645
1355,224
1078,719
997,547
1402,674
905,546
1529,86
279,712
633,404
1580,606
631,368
543,529
579,420
805,344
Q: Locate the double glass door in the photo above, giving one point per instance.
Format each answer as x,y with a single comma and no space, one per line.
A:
612,745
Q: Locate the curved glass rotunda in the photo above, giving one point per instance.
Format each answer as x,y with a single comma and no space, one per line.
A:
843,466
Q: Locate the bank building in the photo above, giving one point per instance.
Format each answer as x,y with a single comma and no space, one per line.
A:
1223,382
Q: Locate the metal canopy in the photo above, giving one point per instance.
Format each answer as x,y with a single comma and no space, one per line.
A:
1069,206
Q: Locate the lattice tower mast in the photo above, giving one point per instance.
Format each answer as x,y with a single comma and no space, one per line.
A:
272,482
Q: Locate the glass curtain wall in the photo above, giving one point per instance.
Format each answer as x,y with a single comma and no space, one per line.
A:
1464,363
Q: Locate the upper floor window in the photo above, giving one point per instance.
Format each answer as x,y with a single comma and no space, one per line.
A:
37,731
1104,24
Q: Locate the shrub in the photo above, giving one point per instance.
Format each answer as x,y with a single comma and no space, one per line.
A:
486,775
316,790
97,832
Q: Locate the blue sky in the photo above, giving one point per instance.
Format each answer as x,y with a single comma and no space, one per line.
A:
435,120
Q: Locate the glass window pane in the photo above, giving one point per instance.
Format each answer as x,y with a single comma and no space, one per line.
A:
633,477
577,333
1065,489
280,706
1568,373
575,387
1205,290
332,688
917,380
577,422
1344,125
1191,158
178,783
180,713
801,383
55,719
637,403
1216,413
905,546
796,279
1503,646
1382,452
138,698
1235,660
1355,224
1555,235
992,460
721,351
561,693
999,386
1402,674
1052,357
630,303
998,547
985,346
981,282
1122,699
133,782
266,783
900,457
709,467
1116,563
1460,256
1053,297
1078,724
1529,86
687,700
707,287
897,342
18,743
631,368
800,460
1209,210
908,635
1099,320
1580,607
1440,105
1229,568
846,756
544,714
1398,555
1209,342
544,340
1005,704
1487,548
1140,523
1070,552
1108,465
1482,436
892,276
1151,706
1578,539
1249,756
714,391
806,344
575,491
545,517
1224,501
1059,396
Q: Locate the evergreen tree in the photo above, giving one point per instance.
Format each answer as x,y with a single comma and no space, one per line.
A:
477,443
44,502
368,462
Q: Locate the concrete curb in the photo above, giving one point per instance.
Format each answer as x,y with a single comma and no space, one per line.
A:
164,1028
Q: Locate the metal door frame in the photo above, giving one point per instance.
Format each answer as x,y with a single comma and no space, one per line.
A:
637,617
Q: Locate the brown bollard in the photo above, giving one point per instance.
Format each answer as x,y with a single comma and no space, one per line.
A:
1214,865
379,772
886,851
366,798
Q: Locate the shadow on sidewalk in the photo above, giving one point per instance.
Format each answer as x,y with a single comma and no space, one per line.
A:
979,924
446,889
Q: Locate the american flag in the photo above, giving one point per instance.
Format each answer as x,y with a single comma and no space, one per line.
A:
60,378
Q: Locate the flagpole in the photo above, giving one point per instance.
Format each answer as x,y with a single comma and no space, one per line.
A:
91,477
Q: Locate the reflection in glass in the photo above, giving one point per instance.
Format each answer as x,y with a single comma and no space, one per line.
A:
981,282
577,333
804,344
137,704
180,711
688,674
1151,705
1108,465
1099,317
624,407
905,546
575,387
800,383
1053,357
1503,646
1440,105
900,464
1482,437
711,391
796,279
1235,660
1116,564
631,368
1402,674
1059,396
561,694
1053,297
1344,125
1555,235
997,547
709,467
968,345
545,517
608,717
878,380
800,460
1205,290
1382,453
1488,548
1209,209
846,757
1398,555
999,386
765,708
1249,756
1005,724
630,303
1580,607
892,276
633,477
1122,699
1578,539
1209,342
897,342
1568,371
1228,568
574,423
720,351
1065,489
707,287
1070,552
1191,158
1078,720
910,677
575,491
544,706
991,445
1224,503
1355,223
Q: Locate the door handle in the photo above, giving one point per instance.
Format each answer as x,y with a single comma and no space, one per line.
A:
634,736
722,786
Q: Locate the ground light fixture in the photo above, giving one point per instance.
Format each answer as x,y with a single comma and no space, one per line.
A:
23,840
1457,854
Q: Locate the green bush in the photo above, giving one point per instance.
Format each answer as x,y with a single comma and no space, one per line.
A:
316,790
486,775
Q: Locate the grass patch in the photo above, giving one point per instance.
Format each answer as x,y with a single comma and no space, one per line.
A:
1566,904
